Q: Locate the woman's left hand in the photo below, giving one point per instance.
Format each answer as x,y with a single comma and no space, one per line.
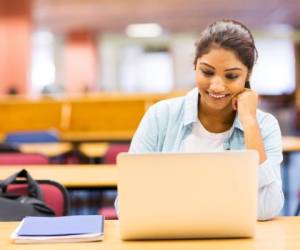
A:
246,103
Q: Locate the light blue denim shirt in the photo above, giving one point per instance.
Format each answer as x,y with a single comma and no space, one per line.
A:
167,123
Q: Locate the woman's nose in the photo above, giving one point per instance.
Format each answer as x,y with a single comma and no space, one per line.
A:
217,84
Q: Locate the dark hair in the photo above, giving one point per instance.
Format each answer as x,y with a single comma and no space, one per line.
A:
232,35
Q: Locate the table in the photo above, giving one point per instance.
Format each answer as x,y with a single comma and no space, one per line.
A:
290,143
71,176
80,136
93,150
48,149
282,233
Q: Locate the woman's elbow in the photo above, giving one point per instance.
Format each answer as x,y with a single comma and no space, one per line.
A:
270,204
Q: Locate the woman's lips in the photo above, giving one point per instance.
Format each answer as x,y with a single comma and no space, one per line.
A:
218,96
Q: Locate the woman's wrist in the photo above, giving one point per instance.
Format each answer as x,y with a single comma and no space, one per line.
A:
249,122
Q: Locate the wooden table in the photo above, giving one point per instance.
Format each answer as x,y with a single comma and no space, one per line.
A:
71,176
290,143
282,233
93,150
48,149
81,136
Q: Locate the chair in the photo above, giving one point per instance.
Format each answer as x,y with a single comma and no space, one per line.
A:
23,159
109,213
54,194
113,151
32,137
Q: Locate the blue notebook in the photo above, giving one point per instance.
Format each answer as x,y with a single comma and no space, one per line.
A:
59,229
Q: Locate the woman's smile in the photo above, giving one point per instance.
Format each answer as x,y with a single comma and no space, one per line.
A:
218,96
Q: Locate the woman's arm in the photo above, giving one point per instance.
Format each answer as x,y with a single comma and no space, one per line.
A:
253,139
270,195
247,103
265,138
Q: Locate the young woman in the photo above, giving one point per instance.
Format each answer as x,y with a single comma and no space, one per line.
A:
221,113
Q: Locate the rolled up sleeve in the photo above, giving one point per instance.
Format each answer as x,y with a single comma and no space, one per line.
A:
270,195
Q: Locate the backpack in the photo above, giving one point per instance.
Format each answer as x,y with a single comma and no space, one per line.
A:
15,206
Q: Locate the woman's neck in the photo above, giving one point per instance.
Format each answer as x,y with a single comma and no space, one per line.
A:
216,121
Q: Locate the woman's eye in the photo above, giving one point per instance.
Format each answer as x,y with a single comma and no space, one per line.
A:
231,76
207,73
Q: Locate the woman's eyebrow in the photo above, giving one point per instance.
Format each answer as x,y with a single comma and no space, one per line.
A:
232,69
206,64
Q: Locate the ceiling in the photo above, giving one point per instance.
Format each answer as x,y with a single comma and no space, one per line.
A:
173,15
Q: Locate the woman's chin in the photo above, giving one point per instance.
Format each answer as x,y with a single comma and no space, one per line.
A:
221,106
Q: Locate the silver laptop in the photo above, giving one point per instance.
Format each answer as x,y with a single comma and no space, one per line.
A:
187,195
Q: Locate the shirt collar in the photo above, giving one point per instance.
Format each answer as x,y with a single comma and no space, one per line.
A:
191,109
237,124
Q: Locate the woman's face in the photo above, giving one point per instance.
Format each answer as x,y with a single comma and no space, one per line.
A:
220,76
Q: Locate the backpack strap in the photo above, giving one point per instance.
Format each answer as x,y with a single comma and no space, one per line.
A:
33,188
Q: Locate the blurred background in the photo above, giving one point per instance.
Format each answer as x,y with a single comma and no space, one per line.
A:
76,46
80,48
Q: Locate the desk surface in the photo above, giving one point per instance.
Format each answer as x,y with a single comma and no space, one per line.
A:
88,176
93,149
80,136
290,143
48,149
281,233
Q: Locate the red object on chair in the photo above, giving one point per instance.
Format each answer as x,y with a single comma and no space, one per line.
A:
109,213
54,194
22,159
113,151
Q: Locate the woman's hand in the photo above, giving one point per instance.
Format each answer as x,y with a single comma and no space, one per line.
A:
246,103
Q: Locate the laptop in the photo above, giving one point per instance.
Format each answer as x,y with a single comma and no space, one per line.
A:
187,195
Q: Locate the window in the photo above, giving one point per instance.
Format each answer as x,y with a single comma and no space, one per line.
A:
274,73
146,69
43,69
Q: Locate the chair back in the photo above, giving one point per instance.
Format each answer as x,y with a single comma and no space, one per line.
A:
109,213
54,194
23,159
113,150
32,137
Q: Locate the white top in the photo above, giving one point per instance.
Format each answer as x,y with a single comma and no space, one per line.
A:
201,140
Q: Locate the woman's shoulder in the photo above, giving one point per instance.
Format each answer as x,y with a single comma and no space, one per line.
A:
264,116
168,106
176,106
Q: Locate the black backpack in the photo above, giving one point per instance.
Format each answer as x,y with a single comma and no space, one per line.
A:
14,206
9,148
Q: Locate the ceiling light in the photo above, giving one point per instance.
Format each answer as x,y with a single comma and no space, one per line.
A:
144,30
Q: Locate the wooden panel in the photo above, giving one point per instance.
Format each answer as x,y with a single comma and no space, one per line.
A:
91,117
29,115
106,115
